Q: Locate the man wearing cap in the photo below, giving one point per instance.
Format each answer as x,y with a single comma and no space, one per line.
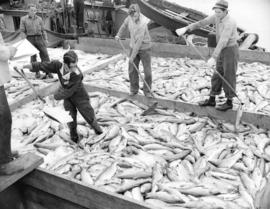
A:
72,90
7,165
32,27
225,55
140,44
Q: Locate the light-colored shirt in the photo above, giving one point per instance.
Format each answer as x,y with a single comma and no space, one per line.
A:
139,34
4,57
226,31
32,26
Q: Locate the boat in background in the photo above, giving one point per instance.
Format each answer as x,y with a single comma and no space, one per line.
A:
173,16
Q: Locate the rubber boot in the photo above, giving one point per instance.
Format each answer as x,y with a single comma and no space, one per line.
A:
226,106
96,127
73,132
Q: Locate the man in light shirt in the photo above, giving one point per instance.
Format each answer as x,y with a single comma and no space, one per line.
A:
225,55
140,48
32,27
7,165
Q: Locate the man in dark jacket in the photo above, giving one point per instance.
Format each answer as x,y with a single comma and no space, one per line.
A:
72,90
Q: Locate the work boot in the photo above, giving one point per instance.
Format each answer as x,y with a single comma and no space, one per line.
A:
148,94
10,168
96,127
226,106
208,102
37,75
132,93
49,75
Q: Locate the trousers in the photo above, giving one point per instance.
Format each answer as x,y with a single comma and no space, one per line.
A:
145,57
5,128
40,44
226,65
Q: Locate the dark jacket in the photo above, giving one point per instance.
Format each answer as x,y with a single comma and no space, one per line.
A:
71,83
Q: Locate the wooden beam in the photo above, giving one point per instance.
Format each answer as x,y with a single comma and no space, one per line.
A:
48,90
38,199
260,120
110,46
79,194
30,162
104,63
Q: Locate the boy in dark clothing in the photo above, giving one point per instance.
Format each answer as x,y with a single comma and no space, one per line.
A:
72,90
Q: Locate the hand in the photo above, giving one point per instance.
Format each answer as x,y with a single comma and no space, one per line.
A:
131,60
181,31
12,51
27,66
51,100
211,62
117,38
46,42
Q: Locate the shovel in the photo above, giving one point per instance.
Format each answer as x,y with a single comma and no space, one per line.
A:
21,73
48,114
154,105
240,108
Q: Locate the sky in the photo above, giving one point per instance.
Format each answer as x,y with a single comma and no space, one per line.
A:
251,15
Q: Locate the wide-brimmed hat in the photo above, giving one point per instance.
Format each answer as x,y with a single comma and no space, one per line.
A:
221,4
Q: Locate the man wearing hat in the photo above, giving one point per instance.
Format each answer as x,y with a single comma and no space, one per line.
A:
72,90
140,48
225,55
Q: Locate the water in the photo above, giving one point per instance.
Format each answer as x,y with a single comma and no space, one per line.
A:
251,15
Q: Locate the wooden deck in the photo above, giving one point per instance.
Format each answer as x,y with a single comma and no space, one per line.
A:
110,46
30,162
47,190
43,189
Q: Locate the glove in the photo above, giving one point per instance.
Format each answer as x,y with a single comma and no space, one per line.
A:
117,38
211,62
181,31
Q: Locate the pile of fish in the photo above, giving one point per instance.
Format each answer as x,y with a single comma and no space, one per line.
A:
189,81
167,160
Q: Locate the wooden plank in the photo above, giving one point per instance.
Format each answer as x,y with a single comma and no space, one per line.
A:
11,197
38,199
78,193
110,46
48,90
30,162
257,119
103,63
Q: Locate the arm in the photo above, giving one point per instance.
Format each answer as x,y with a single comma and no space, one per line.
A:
47,67
206,21
74,83
44,34
22,27
224,38
4,53
123,27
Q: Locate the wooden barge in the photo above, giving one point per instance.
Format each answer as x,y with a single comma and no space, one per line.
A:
43,189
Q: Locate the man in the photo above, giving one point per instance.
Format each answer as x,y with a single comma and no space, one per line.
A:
140,44
72,90
225,55
7,165
32,27
79,14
